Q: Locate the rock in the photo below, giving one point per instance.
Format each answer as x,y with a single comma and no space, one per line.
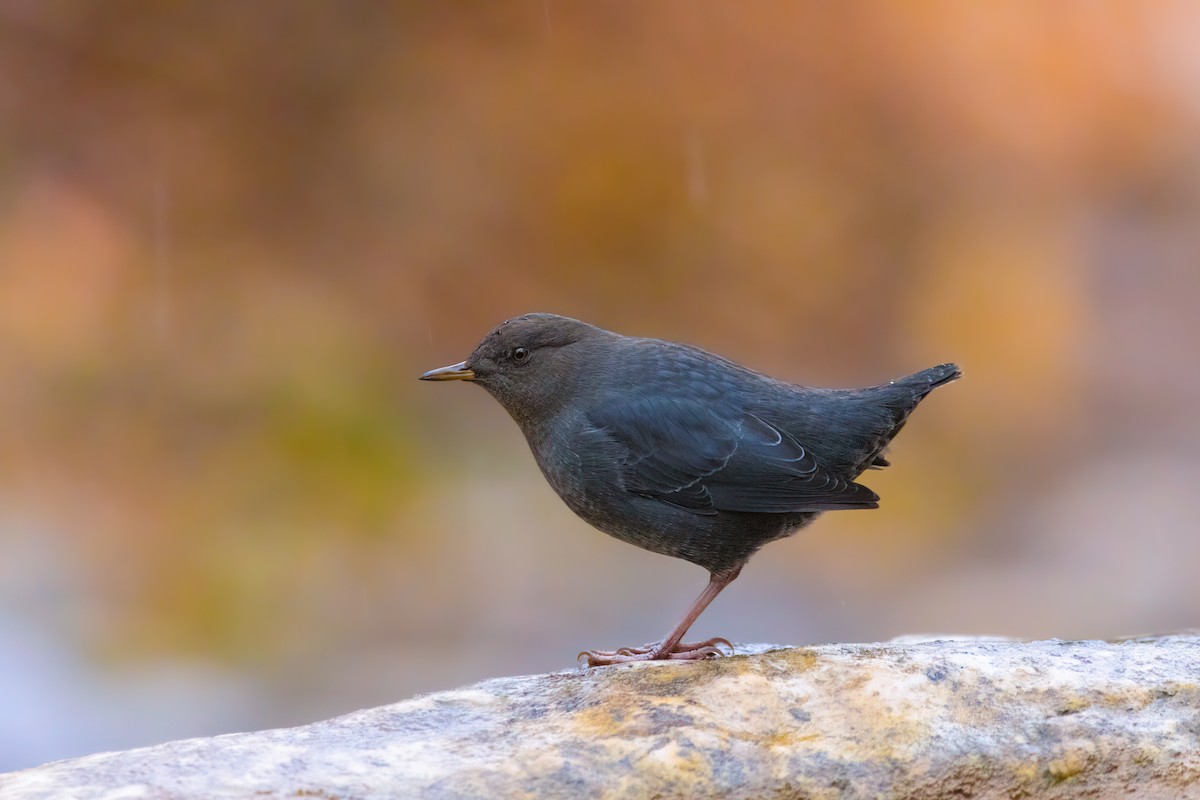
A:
972,718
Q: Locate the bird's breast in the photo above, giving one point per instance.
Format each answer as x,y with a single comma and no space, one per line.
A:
581,463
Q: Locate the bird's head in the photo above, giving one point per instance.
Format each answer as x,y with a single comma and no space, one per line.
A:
531,364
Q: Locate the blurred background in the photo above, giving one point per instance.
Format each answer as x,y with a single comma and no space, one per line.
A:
233,234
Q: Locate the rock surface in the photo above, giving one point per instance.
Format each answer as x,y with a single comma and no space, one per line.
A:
919,719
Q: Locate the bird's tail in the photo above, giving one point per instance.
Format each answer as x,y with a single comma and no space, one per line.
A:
900,397
927,380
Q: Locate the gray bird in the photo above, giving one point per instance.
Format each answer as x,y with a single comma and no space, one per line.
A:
682,452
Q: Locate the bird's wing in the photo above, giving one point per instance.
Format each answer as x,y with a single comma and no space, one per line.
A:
685,452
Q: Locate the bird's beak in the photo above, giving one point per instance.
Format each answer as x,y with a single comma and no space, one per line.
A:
454,372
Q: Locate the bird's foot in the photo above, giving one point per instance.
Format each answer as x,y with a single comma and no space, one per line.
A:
654,651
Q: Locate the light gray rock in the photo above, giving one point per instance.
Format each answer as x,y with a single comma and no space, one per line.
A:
982,718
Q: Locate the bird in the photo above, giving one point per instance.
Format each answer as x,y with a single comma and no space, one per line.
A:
682,452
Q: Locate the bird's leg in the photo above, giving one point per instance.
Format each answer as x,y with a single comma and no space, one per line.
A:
672,647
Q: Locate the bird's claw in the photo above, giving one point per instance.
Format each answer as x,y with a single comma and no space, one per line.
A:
684,651
713,642
697,654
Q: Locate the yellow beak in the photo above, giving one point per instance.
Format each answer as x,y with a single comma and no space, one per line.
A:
454,372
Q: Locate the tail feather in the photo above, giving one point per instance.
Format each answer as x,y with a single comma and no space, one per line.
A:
927,380
908,392
903,397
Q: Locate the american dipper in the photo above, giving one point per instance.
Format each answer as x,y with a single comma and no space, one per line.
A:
682,452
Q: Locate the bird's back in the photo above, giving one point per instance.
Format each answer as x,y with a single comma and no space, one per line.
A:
846,430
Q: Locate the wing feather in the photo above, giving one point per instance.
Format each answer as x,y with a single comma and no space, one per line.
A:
709,458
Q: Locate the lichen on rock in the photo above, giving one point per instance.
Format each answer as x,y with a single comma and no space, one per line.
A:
975,717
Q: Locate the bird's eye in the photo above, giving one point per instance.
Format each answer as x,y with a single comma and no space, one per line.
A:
520,355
